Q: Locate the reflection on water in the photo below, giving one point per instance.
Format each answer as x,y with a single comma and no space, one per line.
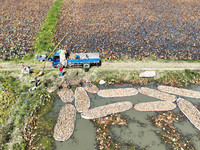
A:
139,131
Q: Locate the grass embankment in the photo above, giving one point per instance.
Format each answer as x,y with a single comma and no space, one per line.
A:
45,41
181,78
23,123
173,78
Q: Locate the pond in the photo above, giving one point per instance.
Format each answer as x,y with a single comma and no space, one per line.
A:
144,136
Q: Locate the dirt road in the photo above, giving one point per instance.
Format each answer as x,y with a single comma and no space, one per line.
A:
137,65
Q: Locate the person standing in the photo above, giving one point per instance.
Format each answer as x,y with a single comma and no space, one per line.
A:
36,81
61,71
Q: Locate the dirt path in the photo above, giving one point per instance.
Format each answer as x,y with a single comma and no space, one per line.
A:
137,65
151,65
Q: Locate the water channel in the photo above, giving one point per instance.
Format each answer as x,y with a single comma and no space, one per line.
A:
84,134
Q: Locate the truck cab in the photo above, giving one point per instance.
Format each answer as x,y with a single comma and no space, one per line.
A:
56,60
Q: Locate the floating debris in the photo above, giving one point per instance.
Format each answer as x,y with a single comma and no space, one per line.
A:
102,82
147,74
179,91
157,94
190,111
64,127
89,87
82,100
155,106
169,134
66,95
119,92
105,110
104,134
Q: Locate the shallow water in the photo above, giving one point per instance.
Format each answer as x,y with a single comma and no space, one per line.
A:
84,134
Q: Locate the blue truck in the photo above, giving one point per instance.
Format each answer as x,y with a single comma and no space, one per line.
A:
63,58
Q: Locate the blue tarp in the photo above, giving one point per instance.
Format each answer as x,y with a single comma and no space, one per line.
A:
95,60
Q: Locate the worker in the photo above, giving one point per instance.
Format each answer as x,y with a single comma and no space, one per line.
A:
60,87
66,54
81,83
69,86
61,71
36,81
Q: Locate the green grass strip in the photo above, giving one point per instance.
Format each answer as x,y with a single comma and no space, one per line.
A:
45,41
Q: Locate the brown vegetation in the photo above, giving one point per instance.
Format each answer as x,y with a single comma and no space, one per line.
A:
21,20
104,139
131,28
170,134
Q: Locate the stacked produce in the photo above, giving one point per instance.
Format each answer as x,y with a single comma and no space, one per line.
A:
64,127
89,87
50,90
105,110
190,111
82,100
157,94
179,91
66,95
119,92
155,106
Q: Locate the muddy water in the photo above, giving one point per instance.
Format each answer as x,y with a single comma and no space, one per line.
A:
139,130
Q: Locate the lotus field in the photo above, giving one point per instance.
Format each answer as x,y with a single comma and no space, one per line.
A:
121,29
118,29
20,22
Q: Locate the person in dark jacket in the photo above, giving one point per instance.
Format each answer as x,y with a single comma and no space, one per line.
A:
60,87
66,54
81,83
36,81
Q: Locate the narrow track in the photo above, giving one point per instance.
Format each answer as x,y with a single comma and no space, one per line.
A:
137,65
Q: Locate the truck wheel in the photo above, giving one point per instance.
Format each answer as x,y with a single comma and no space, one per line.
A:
99,64
59,65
